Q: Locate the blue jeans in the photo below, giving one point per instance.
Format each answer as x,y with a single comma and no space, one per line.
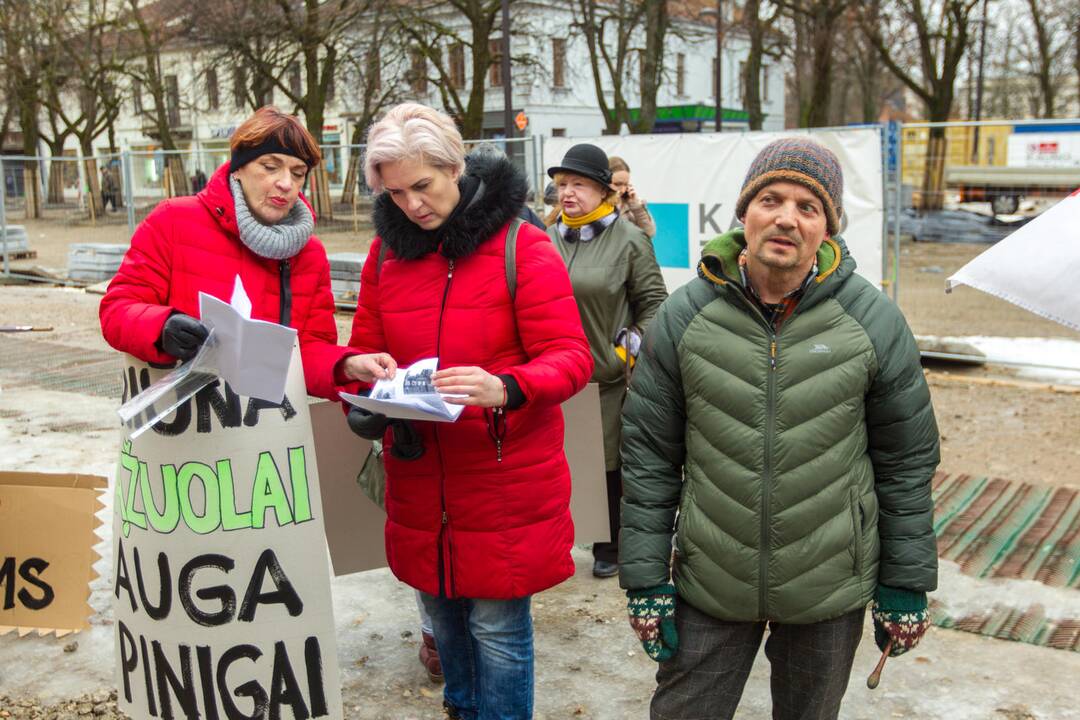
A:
486,650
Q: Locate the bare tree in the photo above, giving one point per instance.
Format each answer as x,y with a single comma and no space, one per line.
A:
25,54
292,46
937,35
657,23
366,94
816,24
758,30
441,31
612,32
151,34
863,65
1050,26
89,65
608,29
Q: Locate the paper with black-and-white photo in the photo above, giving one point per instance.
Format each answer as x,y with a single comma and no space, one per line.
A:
410,395
251,355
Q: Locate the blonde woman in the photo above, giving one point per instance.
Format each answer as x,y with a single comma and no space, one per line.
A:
478,510
618,287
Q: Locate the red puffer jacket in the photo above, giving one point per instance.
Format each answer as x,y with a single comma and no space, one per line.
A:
462,523
191,244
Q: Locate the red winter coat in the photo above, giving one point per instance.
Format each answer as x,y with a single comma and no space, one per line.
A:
191,244
459,522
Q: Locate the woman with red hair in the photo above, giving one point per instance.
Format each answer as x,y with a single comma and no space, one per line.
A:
250,221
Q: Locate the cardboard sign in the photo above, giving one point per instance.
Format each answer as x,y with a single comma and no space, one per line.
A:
47,525
222,590
354,524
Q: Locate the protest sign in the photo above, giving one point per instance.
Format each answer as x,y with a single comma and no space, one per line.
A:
354,524
47,525
692,180
221,584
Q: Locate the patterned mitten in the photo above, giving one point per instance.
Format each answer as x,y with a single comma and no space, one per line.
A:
652,615
901,615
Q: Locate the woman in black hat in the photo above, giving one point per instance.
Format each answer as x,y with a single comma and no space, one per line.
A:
618,287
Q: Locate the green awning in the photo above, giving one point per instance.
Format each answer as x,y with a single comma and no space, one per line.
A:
693,113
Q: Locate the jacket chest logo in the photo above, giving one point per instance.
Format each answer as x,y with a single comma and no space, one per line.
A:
820,349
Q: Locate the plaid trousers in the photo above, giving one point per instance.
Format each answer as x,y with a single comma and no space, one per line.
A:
704,680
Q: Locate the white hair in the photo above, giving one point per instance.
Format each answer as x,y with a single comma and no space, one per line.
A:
411,131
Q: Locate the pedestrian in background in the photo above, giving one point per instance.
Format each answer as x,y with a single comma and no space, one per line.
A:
478,510
630,204
109,189
780,417
618,287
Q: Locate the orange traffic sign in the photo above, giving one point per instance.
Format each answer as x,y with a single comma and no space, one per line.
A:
521,120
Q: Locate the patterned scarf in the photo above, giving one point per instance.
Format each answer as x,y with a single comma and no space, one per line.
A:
275,242
588,226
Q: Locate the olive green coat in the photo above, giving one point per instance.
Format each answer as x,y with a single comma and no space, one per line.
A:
617,283
799,462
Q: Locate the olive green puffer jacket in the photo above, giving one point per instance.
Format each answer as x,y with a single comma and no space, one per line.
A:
799,463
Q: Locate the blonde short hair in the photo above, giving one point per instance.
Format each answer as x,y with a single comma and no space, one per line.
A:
411,131
606,192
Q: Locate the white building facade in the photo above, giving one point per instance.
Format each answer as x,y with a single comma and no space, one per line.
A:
555,89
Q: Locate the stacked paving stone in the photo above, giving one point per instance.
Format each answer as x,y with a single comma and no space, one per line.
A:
17,239
345,274
94,262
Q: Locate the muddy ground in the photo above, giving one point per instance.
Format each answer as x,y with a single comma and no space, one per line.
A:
588,663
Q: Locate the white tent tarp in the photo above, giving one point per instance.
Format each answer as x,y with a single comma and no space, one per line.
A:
1036,267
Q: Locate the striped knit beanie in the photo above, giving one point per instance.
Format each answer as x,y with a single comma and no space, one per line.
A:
799,160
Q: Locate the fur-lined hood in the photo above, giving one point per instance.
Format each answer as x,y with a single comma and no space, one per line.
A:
500,194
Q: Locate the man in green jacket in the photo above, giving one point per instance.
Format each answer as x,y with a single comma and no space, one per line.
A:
780,430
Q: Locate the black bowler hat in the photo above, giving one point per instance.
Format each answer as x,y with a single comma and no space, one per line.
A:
586,160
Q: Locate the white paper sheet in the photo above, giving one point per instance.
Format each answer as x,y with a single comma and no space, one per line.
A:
1036,267
251,355
409,395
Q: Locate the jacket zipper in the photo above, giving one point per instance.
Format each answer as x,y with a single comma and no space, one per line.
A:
285,308
446,560
766,477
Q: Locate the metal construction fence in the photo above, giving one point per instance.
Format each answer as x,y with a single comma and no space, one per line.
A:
950,190
954,189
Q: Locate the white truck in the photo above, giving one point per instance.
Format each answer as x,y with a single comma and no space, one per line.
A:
1038,164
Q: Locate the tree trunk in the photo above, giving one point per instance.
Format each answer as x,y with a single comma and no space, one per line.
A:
55,181
55,194
656,24
93,182
817,113
352,175
177,182
752,76
933,185
32,189
28,119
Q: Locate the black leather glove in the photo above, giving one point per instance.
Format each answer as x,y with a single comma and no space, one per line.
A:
408,445
368,425
182,336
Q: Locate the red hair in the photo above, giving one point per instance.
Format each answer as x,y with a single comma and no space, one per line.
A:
267,122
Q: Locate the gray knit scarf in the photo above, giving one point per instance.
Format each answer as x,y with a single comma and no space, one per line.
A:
276,242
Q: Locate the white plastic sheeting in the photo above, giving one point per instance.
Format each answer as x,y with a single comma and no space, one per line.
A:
1037,267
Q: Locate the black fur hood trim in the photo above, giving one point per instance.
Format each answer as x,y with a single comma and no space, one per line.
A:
499,197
